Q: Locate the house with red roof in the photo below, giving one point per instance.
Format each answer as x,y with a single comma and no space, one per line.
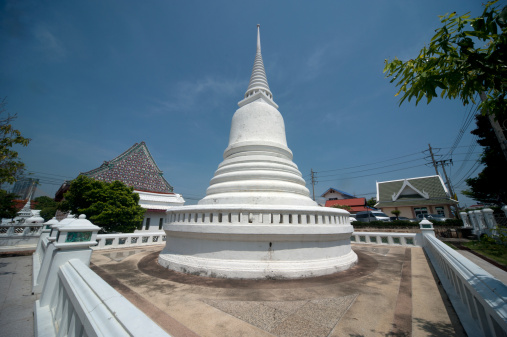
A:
335,196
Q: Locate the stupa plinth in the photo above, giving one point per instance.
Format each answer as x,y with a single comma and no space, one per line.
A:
257,219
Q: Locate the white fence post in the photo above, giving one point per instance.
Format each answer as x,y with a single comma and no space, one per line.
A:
73,241
466,221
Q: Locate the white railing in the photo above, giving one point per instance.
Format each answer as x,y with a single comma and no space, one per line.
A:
20,229
479,299
82,304
19,234
113,241
211,214
387,238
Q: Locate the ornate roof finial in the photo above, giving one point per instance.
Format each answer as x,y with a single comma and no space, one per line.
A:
258,38
258,80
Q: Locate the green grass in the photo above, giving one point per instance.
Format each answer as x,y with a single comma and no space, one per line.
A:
493,251
450,245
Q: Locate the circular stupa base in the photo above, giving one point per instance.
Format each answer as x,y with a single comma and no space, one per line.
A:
257,243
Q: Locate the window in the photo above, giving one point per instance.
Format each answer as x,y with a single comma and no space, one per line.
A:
147,224
440,211
333,198
160,223
420,210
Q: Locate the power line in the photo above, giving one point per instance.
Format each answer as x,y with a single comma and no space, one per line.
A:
466,123
383,161
368,175
375,168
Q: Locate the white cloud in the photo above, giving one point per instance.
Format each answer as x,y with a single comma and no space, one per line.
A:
49,43
187,95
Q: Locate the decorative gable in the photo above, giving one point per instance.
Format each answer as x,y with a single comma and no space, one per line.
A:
134,167
409,191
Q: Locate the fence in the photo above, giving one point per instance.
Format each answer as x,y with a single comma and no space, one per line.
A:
82,304
74,301
20,234
478,298
112,241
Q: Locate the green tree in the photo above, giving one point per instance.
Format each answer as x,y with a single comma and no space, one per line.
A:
466,57
396,213
47,205
112,206
10,166
490,185
371,202
7,205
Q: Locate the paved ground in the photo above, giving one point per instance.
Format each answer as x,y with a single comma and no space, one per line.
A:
391,292
16,299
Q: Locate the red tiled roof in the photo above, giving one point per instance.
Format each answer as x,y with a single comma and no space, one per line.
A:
347,202
355,209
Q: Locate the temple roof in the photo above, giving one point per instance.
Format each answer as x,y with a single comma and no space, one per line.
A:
134,167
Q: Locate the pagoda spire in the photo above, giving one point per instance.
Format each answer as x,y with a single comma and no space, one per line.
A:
258,80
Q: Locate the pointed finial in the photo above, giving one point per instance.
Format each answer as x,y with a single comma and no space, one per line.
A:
258,81
258,38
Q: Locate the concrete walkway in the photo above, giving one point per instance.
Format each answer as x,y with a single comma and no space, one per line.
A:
16,299
391,292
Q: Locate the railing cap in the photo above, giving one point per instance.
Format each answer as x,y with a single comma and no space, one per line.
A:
81,225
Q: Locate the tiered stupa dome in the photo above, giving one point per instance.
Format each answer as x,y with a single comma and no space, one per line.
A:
257,219
257,166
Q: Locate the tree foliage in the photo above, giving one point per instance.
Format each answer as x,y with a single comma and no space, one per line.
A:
371,202
345,207
490,185
465,57
7,205
47,205
10,166
112,206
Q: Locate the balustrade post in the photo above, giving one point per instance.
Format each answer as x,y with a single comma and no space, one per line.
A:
466,221
74,241
473,220
10,231
480,220
489,219
426,229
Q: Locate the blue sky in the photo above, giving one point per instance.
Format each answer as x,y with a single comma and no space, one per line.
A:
89,79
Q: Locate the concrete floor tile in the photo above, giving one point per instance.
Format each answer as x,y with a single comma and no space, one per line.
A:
295,326
21,328
285,306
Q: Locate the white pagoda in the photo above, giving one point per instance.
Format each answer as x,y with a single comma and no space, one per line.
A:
257,219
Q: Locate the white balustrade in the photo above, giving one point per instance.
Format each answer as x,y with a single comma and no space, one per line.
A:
83,304
246,216
13,234
479,299
385,238
114,241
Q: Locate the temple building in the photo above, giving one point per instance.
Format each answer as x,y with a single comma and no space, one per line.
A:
137,168
257,219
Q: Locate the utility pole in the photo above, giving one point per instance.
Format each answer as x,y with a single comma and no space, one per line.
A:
442,162
497,128
433,159
313,183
